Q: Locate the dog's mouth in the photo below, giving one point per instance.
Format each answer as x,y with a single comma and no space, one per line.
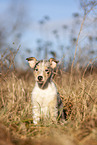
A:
43,83
40,82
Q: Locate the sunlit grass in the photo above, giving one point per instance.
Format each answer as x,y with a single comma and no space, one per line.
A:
79,98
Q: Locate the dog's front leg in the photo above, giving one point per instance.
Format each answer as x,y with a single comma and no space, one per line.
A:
53,110
53,113
36,114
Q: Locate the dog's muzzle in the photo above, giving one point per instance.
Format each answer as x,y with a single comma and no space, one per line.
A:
40,78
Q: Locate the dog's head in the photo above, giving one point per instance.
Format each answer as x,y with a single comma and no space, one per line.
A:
42,69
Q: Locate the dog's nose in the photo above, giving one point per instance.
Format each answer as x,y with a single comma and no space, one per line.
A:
40,78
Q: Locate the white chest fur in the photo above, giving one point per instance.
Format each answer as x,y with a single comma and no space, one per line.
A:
44,100
44,96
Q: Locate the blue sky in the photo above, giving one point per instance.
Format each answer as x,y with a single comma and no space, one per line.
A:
59,11
56,9
23,16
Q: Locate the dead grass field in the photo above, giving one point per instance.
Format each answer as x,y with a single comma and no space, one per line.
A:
79,96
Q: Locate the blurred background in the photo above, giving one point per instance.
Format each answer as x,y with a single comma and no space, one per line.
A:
45,29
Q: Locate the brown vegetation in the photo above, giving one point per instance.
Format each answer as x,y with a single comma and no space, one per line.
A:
80,103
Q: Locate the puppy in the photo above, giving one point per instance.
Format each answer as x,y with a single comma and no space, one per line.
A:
46,102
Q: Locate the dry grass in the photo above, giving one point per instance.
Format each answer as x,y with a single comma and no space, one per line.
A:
80,102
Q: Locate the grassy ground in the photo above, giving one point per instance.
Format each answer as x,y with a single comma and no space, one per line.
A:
79,96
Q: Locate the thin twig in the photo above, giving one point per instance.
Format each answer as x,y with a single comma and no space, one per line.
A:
84,18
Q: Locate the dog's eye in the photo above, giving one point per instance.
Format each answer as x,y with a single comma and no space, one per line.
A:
47,71
36,69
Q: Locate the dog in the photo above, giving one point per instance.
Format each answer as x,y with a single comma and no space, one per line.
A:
46,101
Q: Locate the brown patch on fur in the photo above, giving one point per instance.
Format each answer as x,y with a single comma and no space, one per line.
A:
31,58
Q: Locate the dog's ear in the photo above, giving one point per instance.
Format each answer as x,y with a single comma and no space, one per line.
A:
53,62
31,61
